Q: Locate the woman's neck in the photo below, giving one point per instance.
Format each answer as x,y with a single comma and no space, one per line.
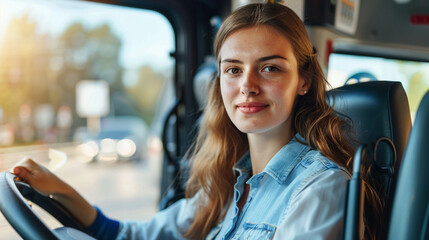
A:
264,146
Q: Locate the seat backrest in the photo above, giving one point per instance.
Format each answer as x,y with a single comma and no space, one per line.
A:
410,211
379,113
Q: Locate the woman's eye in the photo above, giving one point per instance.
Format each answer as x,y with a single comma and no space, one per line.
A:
233,70
270,69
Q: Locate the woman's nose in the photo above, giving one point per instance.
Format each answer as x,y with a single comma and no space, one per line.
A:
249,85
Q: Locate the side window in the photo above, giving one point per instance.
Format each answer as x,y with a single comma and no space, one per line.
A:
348,69
92,81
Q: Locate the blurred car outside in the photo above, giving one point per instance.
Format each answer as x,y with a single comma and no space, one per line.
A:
120,138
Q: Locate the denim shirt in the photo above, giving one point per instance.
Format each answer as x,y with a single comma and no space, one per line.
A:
299,195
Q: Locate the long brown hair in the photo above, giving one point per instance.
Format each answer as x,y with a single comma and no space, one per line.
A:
220,144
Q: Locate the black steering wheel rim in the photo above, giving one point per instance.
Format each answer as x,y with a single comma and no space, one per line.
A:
20,215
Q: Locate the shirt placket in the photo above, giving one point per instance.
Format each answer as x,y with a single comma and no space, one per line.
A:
238,191
235,230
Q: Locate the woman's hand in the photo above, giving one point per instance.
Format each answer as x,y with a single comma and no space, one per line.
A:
40,178
45,182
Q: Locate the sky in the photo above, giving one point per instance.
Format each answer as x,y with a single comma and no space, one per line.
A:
147,36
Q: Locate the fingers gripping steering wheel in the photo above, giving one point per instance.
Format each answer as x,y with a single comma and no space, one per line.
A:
23,219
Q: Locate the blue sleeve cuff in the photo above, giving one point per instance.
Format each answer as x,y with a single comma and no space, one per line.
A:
103,228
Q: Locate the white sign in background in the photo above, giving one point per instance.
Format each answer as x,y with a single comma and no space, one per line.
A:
92,98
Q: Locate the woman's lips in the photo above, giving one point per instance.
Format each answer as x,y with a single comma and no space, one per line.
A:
251,107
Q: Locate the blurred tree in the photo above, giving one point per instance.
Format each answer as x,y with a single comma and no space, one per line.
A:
147,91
23,73
417,89
14,52
417,85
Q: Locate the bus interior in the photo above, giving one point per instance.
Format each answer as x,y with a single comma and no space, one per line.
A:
108,95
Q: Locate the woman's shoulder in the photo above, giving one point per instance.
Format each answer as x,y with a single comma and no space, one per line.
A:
315,158
316,163
316,171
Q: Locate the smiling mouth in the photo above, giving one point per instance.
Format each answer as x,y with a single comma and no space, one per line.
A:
251,107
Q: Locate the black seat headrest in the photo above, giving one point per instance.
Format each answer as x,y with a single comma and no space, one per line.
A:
377,109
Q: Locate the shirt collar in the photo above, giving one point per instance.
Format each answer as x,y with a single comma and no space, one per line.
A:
283,162
244,164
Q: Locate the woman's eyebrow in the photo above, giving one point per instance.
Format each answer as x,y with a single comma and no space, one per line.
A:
230,60
263,59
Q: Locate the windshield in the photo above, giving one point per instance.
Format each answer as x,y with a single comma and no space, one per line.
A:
91,81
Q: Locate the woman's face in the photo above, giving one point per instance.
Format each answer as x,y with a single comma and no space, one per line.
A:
259,80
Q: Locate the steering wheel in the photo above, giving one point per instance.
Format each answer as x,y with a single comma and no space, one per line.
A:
23,219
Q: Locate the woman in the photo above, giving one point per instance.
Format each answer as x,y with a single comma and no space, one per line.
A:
271,159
